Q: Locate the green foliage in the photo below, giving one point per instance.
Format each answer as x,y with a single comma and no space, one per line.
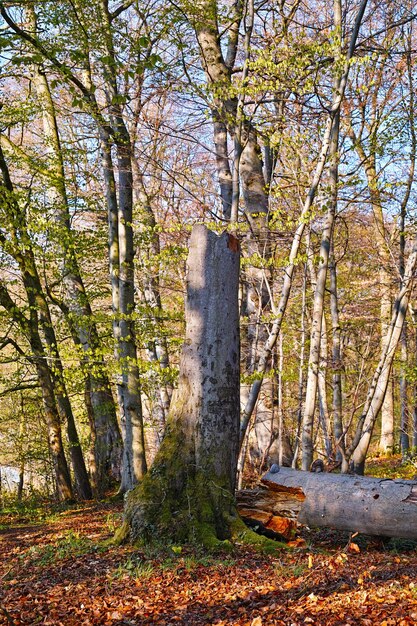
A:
393,466
70,545
134,567
113,522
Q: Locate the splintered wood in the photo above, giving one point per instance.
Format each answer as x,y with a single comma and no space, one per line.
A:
287,498
273,507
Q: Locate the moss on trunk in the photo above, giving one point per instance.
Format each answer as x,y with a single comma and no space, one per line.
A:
187,496
178,501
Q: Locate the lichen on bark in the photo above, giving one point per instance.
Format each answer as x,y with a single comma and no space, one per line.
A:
188,494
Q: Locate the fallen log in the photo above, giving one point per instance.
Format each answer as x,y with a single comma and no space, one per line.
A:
374,506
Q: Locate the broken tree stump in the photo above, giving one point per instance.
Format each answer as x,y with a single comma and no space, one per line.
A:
374,506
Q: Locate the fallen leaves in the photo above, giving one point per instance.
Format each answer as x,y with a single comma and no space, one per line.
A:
81,584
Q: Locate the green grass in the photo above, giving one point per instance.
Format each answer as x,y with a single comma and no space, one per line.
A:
134,567
31,511
70,545
290,570
391,467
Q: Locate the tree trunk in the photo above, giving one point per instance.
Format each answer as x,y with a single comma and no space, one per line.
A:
122,254
148,281
77,309
21,250
318,318
36,295
188,494
374,506
337,362
414,418
279,310
360,444
386,441
134,461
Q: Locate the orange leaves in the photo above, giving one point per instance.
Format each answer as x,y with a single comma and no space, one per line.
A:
322,586
353,547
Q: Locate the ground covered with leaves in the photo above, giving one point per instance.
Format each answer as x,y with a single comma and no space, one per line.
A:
59,571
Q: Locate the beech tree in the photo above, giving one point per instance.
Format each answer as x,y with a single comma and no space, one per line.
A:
112,129
100,406
56,403
288,127
188,493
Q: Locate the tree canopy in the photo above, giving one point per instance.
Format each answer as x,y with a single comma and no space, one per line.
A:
291,127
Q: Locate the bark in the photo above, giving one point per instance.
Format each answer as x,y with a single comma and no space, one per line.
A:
279,311
30,329
369,160
21,482
246,172
318,348
22,252
120,226
352,503
316,333
322,392
148,281
405,413
188,494
380,381
301,369
122,268
134,461
35,293
22,436
413,417
336,362
223,165
61,472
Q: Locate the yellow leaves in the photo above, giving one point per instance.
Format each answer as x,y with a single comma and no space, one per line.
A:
363,576
341,558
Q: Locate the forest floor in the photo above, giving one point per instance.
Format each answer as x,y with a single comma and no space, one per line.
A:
56,569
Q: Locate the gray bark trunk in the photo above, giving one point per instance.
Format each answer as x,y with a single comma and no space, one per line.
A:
246,171
223,165
347,502
195,466
313,373
386,441
122,269
134,462
336,363
148,281
380,381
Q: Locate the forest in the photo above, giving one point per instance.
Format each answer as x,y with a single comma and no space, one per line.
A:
208,252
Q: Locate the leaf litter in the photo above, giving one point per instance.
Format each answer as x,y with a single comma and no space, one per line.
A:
61,572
